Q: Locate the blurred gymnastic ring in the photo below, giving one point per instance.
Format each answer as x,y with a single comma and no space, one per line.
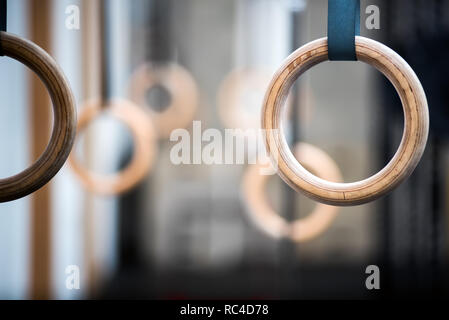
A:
413,141
239,104
269,221
144,147
182,90
64,113
238,97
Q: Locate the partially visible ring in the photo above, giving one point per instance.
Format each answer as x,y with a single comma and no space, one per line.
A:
183,95
240,98
144,147
403,163
269,221
64,113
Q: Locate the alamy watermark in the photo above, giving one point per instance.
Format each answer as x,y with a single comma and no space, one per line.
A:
373,19
72,281
72,20
372,282
211,147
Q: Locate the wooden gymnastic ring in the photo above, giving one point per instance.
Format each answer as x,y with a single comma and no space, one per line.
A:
234,111
64,114
413,141
144,147
183,95
269,221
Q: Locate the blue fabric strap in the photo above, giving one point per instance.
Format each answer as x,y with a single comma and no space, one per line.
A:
342,26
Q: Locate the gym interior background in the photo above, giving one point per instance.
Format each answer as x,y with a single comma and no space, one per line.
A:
184,230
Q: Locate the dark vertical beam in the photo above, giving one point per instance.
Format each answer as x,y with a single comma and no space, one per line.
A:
159,31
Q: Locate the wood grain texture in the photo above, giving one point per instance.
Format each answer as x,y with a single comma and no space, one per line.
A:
64,114
181,87
416,124
145,148
268,220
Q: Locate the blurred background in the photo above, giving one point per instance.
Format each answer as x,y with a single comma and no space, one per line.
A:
184,231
